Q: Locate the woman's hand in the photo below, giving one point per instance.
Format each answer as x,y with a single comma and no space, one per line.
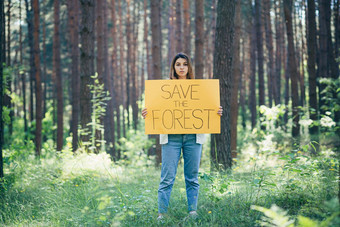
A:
144,112
220,111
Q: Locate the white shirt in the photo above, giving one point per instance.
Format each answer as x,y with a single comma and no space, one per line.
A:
200,138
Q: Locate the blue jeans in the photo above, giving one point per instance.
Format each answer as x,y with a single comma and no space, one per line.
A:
171,153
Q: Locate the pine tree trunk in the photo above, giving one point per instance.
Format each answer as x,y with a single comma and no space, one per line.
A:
147,47
44,66
22,75
171,32
252,83
260,61
128,61
115,75
122,69
220,143
2,61
311,47
57,75
7,98
156,59
199,39
179,32
292,68
29,20
109,123
270,49
86,63
134,72
235,78
38,103
278,53
186,27
73,7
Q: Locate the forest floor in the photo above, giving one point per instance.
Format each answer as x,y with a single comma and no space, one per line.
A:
89,190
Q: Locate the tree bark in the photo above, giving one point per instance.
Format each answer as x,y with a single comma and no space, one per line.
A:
122,68
178,32
235,78
186,27
22,75
128,61
270,49
278,53
86,63
292,68
73,7
252,83
260,62
199,39
2,61
109,123
223,60
57,75
171,32
156,59
115,76
7,98
311,47
38,103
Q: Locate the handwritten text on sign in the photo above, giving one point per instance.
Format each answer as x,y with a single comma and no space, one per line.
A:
182,106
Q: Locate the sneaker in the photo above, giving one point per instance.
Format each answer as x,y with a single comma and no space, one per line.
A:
193,214
160,217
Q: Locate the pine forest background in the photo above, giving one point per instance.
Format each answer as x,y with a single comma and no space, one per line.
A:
73,74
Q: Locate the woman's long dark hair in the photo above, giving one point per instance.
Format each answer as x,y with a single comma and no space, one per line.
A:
173,74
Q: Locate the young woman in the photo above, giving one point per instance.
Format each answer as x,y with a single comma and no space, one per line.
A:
173,144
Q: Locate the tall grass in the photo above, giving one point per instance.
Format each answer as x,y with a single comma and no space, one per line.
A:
63,189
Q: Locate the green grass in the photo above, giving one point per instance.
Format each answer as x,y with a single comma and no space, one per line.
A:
89,190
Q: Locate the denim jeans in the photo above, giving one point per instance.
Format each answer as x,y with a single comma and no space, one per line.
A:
171,153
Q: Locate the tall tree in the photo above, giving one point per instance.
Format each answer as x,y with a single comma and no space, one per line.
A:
292,67
278,51
115,78
2,61
129,69
179,32
223,57
156,58
109,122
22,74
57,75
86,62
186,27
7,98
259,44
270,49
29,20
252,83
38,94
73,7
199,39
235,79
122,72
134,71
311,47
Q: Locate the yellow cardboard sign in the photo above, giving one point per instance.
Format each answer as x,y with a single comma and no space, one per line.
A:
182,106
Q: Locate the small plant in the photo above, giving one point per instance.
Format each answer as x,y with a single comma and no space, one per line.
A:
99,103
275,216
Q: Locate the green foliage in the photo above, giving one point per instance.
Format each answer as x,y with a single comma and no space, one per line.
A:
275,216
99,102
